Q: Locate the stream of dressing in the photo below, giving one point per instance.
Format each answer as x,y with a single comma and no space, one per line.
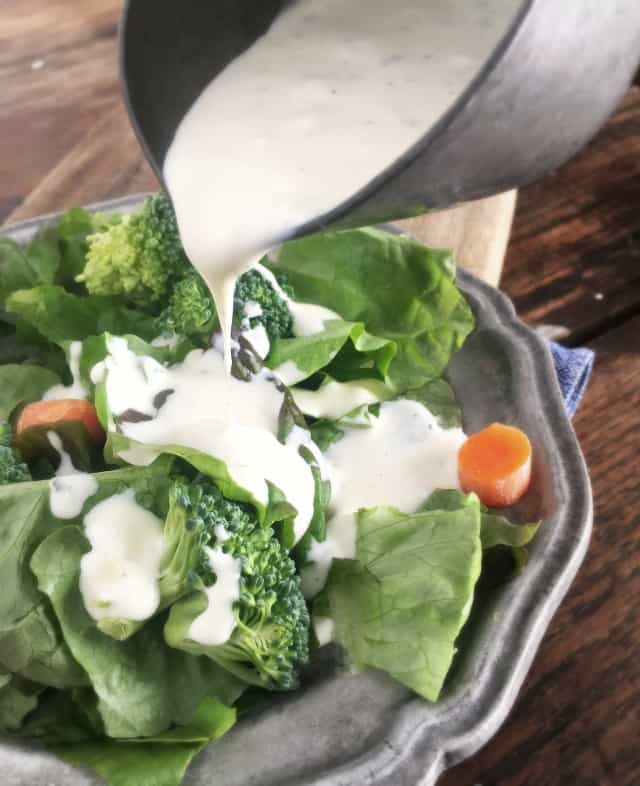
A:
329,97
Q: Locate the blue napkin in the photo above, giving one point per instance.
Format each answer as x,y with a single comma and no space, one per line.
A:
573,367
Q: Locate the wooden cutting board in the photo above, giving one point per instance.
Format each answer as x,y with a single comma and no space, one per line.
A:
108,163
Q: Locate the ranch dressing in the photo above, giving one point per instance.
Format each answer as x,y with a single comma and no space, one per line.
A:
70,488
398,461
76,389
329,97
216,623
194,404
119,576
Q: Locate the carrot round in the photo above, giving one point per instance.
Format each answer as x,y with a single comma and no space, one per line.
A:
495,463
52,413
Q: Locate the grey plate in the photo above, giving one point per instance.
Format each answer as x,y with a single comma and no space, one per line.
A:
365,730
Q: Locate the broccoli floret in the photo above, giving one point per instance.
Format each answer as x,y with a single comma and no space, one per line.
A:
191,311
12,468
274,312
139,257
270,642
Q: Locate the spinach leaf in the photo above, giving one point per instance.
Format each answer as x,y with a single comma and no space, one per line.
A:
26,520
16,271
143,687
20,384
158,761
31,643
132,764
400,605
43,254
17,699
73,229
61,316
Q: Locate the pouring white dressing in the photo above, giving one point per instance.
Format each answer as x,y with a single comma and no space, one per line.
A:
328,98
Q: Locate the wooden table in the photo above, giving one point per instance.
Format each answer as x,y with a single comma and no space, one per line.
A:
573,264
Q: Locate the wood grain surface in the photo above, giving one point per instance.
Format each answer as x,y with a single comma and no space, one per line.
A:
573,263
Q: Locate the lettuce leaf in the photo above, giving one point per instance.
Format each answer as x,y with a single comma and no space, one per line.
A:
438,397
402,291
134,764
312,353
95,349
495,530
55,255
400,605
499,531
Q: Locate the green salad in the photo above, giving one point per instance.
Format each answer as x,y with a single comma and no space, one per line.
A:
177,541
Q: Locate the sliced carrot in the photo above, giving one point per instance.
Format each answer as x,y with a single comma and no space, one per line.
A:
495,463
56,411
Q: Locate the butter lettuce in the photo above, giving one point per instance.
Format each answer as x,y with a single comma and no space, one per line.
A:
309,354
404,293
400,605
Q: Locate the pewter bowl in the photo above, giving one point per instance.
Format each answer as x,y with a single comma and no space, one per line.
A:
342,729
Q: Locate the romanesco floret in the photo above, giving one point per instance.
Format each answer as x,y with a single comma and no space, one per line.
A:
274,311
139,257
270,642
12,468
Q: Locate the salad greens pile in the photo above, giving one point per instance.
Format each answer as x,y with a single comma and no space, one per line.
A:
135,701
